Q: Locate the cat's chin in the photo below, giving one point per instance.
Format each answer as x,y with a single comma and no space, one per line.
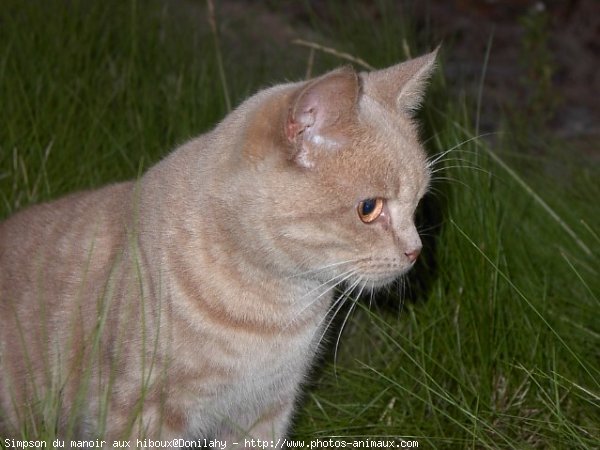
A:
377,281
380,282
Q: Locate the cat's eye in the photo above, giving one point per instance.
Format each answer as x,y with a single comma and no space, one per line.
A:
370,209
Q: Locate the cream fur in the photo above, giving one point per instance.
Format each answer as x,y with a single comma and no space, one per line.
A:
191,303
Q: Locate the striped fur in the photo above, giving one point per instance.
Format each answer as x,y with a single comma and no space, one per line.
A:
191,302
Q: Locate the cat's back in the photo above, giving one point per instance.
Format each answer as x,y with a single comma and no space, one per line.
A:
58,236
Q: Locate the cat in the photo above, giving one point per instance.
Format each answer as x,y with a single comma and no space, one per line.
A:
191,303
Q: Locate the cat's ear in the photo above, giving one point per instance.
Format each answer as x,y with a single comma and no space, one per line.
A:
318,118
401,86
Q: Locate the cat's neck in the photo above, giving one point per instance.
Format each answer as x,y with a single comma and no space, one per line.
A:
207,275
260,290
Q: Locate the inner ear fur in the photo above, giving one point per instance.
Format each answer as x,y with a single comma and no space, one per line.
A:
319,114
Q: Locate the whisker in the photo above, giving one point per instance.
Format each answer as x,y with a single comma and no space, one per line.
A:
458,166
453,180
328,266
339,302
433,190
337,343
343,296
439,156
342,277
473,153
443,156
440,165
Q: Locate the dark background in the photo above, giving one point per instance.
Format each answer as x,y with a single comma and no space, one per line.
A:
541,74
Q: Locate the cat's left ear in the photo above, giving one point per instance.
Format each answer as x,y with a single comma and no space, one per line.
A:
320,115
401,86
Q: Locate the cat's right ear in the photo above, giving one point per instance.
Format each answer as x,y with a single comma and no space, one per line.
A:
319,116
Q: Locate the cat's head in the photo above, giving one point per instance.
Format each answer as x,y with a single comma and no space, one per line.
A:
334,172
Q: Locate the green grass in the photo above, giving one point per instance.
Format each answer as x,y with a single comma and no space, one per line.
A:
94,91
497,345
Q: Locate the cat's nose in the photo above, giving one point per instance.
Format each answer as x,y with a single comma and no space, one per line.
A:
412,255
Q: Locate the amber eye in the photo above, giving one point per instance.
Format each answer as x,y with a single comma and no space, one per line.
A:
370,209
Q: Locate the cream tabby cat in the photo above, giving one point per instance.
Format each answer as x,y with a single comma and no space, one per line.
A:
192,302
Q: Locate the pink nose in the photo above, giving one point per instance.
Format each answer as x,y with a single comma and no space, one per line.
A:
413,254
